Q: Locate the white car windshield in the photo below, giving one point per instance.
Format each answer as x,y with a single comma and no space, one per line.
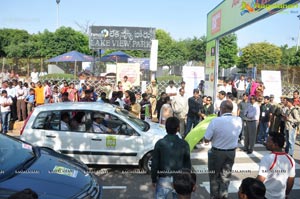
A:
140,124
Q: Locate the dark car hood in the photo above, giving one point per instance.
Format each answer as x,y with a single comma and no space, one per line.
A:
52,175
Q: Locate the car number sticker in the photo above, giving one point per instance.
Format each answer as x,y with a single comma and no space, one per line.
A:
65,171
111,141
26,146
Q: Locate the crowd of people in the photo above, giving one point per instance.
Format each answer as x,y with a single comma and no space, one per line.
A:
241,106
244,113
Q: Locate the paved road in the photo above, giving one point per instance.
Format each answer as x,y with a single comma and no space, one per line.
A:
127,182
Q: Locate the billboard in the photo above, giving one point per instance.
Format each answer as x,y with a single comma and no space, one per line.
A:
271,80
131,70
210,68
192,75
232,15
121,38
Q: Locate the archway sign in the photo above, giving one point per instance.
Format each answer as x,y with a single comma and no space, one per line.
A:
230,16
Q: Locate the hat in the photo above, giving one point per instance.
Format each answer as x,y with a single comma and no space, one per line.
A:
288,99
267,97
171,82
98,115
272,96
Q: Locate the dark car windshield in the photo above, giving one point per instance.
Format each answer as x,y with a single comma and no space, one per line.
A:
13,154
138,123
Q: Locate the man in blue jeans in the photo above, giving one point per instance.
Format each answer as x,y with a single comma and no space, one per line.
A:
5,102
291,118
266,110
171,154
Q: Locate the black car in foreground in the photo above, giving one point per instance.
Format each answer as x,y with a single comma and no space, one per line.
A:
50,174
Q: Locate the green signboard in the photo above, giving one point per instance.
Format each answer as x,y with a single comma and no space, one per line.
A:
232,15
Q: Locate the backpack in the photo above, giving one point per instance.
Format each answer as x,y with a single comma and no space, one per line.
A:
248,89
297,123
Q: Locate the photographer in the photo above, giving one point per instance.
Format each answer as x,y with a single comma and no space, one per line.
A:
292,119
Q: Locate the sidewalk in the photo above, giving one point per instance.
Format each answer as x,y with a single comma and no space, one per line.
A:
16,130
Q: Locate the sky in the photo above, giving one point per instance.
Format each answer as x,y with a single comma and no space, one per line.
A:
181,18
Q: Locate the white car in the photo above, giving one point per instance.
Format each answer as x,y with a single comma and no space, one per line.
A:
131,143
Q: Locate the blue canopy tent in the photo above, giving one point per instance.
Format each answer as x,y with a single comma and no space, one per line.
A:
73,56
116,57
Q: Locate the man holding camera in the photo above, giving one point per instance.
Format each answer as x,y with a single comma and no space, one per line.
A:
292,119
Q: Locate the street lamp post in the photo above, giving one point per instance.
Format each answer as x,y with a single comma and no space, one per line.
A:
57,19
298,40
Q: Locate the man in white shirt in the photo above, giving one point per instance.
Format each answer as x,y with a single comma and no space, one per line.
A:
277,169
180,108
252,114
5,102
98,127
64,122
34,76
240,86
171,90
21,105
223,133
126,84
225,87
219,100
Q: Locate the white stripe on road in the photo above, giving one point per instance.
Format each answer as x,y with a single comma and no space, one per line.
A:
240,145
234,185
238,154
114,187
237,168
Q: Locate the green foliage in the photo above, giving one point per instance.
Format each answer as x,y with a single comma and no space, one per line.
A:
228,51
288,55
296,59
260,54
170,52
196,48
9,39
58,76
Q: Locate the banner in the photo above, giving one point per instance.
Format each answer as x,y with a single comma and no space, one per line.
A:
153,55
232,15
192,75
131,70
271,80
210,68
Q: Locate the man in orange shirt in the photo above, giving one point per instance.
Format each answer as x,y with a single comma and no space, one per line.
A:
39,94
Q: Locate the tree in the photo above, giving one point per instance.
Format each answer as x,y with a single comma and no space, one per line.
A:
9,39
288,55
170,52
295,61
261,54
228,51
196,48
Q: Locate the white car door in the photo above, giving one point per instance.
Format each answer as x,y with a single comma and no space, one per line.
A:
74,143
120,148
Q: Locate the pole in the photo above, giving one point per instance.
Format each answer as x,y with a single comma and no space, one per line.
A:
57,17
216,78
75,68
298,40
